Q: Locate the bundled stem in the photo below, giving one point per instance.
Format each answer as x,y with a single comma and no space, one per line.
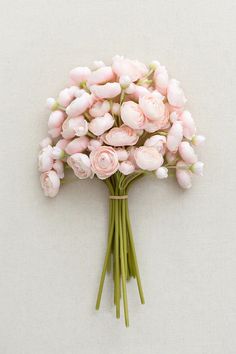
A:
120,247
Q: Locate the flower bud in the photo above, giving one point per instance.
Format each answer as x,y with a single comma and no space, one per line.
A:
198,140
162,172
197,168
115,109
57,153
51,103
124,81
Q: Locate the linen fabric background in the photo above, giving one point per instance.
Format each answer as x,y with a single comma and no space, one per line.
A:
51,251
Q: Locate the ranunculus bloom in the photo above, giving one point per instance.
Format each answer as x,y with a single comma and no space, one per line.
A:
72,127
175,94
152,105
132,115
99,108
152,126
158,142
122,136
77,145
183,175
56,119
94,144
101,76
45,142
187,152
100,125
65,97
132,68
104,161
175,136
161,79
126,167
81,165
45,159
189,128
148,158
58,166
50,183
109,90
79,105
79,74
136,91
122,154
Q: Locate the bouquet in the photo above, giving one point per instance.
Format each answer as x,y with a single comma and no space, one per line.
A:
119,123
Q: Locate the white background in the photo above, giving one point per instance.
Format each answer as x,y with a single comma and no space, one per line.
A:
51,251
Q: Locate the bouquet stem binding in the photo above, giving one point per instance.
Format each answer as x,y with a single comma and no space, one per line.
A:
120,254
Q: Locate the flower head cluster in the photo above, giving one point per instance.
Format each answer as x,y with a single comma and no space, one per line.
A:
123,117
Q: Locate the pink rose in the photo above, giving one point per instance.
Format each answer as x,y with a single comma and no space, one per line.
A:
175,136
183,175
148,158
45,159
189,128
99,108
126,167
187,152
161,79
132,115
175,94
77,145
50,183
132,68
77,126
100,125
79,74
101,76
109,90
79,105
122,136
104,161
81,165
152,105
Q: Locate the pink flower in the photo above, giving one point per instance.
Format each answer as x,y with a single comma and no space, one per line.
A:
45,142
65,97
161,79
162,172
109,90
175,136
126,167
183,175
45,159
136,91
79,74
175,94
101,76
79,105
132,115
122,154
189,128
152,126
77,145
152,105
148,158
94,144
132,68
50,183
100,125
56,119
104,161
158,142
58,166
122,136
99,108
187,152
77,126
54,132
81,165
62,143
